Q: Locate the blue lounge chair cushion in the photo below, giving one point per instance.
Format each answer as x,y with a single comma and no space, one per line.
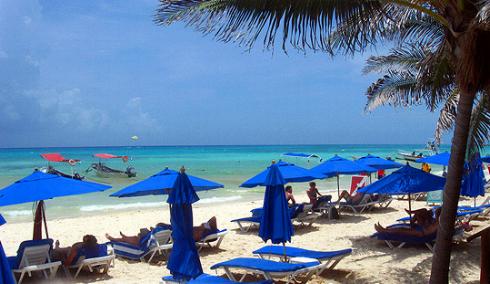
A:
403,238
264,264
257,212
299,252
14,261
86,253
212,279
144,244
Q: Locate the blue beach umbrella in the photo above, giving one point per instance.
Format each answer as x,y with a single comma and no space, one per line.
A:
289,172
40,186
183,263
474,178
275,224
406,180
6,276
161,183
337,166
378,163
438,159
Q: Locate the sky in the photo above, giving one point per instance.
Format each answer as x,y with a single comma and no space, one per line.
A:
95,73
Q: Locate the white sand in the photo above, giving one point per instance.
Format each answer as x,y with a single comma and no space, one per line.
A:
371,261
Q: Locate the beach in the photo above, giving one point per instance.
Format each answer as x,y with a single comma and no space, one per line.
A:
371,260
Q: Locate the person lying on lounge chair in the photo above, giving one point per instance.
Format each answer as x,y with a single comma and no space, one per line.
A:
205,229
417,230
135,240
353,199
67,255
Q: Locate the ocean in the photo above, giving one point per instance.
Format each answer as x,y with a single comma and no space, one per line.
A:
229,165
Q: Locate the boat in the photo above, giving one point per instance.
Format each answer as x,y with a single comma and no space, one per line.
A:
58,158
306,156
431,148
102,170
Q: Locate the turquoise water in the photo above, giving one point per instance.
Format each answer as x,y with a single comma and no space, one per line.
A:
230,165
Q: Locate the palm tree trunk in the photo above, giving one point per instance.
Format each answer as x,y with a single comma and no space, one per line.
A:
442,252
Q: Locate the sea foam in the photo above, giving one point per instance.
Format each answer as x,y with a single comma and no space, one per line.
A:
16,213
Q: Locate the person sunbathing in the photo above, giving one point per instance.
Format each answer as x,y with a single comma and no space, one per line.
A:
135,240
428,228
353,199
198,232
68,255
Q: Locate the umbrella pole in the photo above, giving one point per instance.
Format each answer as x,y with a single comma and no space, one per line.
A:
370,180
474,201
44,219
338,186
410,209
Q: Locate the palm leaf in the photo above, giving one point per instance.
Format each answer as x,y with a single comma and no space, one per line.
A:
302,24
447,116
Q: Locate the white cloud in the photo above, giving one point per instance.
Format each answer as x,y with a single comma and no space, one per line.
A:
138,119
68,108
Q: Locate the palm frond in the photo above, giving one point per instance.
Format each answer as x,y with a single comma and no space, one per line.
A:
397,89
302,24
405,58
447,116
480,123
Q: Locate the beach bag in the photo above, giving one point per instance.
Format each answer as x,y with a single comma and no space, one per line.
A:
334,213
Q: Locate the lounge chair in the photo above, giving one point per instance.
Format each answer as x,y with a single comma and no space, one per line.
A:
303,214
330,258
269,269
157,241
207,279
392,239
208,240
246,223
101,261
366,204
34,256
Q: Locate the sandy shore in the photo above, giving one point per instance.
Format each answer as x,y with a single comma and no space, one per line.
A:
371,261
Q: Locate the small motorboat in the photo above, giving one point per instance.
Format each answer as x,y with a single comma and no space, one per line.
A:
102,170
412,157
58,158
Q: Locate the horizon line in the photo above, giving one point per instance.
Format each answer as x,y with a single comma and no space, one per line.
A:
211,145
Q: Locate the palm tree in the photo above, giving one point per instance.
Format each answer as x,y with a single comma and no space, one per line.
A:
357,25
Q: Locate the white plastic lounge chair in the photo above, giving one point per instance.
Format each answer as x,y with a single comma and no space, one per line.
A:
306,216
207,279
158,241
247,223
366,204
269,269
210,239
34,256
330,258
98,263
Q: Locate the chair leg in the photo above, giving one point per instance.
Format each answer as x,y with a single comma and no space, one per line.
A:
219,241
78,271
21,277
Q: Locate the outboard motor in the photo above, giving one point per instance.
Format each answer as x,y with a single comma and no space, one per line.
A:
131,172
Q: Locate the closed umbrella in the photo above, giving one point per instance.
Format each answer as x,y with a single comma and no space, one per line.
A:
183,263
474,179
275,224
162,183
40,186
6,276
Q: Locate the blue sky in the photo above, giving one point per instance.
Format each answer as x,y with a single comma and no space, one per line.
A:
94,73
